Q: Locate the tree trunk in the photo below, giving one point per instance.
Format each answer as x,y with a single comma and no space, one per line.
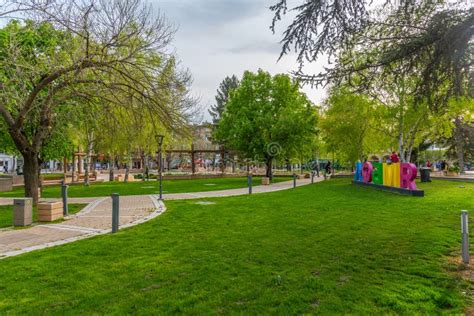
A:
401,147
111,171
268,164
31,171
86,171
127,171
128,165
64,165
458,141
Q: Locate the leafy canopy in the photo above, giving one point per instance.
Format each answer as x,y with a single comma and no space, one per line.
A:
266,117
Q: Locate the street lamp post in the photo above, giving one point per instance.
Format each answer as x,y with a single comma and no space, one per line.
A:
159,140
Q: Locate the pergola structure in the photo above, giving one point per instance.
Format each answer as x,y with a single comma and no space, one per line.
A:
193,151
79,157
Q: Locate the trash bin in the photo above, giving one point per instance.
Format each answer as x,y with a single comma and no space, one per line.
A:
425,174
22,212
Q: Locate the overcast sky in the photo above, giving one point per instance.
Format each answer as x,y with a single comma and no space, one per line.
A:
218,38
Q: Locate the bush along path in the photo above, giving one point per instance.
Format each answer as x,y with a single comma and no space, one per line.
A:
96,218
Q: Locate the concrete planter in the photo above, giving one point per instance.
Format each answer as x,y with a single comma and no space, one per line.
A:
265,181
121,178
452,174
50,211
22,212
6,184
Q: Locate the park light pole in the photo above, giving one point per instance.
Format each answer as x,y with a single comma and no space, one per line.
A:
159,140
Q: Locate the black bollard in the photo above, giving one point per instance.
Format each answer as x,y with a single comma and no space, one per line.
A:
294,180
249,182
115,212
64,188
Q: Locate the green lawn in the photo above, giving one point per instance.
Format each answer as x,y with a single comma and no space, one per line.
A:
52,176
6,213
330,248
144,187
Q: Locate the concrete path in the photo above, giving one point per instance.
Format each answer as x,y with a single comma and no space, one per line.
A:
242,191
96,218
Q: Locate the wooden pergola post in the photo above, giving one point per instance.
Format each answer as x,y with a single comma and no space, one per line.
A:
79,162
73,166
223,160
193,165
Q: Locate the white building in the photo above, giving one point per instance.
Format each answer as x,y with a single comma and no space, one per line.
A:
9,163
15,163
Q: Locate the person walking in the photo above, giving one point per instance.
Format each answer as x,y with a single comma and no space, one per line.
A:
316,169
327,168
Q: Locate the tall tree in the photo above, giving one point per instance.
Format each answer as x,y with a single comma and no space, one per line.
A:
347,126
267,117
460,141
431,39
222,97
464,134
75,51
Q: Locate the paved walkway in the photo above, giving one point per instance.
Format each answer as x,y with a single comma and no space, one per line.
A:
96,218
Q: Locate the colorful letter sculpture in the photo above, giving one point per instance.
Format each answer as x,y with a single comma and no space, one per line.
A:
399,175
408,173
391,174
367,172
377,174
358,172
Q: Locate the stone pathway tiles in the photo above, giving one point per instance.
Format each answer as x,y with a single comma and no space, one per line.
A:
242,191
96,218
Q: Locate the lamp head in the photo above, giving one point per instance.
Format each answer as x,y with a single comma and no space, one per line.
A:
159,139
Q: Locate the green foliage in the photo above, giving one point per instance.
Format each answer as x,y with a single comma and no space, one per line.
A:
454,169
347,126
266,117
431,40
59,144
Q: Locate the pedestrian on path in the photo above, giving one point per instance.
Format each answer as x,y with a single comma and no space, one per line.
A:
327,170
316,169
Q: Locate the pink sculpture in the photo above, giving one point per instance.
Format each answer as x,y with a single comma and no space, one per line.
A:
367,172
408,173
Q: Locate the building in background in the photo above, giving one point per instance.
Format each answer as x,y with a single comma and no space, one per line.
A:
9,163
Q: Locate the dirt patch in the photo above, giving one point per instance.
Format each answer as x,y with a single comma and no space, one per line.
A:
466,272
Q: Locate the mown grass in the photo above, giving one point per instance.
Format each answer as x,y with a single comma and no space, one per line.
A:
52,176
143,187
6,213
330,248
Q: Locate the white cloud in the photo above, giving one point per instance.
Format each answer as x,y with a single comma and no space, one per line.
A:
218,38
